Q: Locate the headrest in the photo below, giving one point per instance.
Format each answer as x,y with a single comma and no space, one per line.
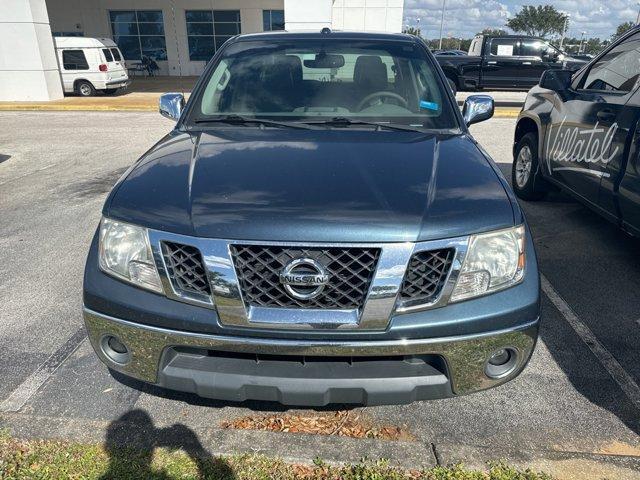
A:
370,73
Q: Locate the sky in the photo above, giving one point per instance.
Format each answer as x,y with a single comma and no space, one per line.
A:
465,18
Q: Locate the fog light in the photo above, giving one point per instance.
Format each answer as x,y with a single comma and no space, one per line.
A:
116,345
114,349
500,357
501,363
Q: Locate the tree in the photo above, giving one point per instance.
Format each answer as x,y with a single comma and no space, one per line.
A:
412,31
593,46
538,21
493,31
624,28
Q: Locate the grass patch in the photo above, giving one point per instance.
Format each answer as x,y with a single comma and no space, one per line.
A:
45,459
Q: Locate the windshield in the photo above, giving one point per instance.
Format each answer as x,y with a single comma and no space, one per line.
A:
313,80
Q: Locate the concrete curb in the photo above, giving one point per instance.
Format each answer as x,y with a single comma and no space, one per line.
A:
292,447
304,448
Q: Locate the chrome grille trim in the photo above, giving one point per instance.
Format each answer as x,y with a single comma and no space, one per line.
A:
381,303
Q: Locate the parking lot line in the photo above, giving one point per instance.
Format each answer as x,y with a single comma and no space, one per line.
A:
21,395
608,361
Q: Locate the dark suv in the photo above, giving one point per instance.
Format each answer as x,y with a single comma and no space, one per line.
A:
319,227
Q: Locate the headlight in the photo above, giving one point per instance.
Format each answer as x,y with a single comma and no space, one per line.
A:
125,253
494,261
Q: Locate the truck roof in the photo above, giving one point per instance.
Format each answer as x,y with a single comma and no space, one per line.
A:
507,36
83,42
316,34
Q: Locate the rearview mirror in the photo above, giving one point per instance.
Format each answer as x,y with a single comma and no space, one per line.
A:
324,60
477,108
556,80
171,105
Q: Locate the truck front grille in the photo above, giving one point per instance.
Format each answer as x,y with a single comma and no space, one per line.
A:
350,269
426,275
185,269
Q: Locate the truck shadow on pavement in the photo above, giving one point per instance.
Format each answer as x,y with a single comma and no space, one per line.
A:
132,439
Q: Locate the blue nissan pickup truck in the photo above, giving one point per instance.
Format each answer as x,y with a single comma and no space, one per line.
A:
319,227
580,132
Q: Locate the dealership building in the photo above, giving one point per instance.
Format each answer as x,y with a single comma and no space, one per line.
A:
179,35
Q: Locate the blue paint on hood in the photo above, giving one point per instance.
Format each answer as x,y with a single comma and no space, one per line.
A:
313,186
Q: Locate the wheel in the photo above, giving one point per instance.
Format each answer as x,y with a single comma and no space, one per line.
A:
110,91
525,169
453,86
85,89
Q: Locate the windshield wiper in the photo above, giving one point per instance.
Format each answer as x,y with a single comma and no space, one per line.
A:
347,122
242,120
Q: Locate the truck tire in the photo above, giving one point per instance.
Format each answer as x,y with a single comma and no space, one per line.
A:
85,89
525,169
453,86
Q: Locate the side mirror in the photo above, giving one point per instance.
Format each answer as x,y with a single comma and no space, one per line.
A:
171,105
477,108
556,80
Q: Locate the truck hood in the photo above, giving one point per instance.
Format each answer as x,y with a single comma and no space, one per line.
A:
313,186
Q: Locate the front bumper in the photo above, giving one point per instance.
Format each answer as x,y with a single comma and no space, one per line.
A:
370,372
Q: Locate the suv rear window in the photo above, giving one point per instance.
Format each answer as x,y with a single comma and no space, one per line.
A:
107,54
74,60
116,54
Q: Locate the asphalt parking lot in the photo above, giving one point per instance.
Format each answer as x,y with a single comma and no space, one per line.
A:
575,410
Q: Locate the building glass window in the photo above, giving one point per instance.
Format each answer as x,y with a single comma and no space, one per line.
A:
272,20
207,30
139,33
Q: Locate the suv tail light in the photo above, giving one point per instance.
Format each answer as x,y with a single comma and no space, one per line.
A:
103,67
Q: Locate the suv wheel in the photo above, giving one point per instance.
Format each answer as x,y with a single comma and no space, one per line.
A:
525,168
85,89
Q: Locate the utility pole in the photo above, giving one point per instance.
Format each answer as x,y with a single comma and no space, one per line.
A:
581,39
441,24
638,17
564,30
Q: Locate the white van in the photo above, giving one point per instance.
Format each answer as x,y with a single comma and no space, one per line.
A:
90,64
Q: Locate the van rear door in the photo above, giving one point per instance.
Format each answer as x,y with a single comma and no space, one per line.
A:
115,64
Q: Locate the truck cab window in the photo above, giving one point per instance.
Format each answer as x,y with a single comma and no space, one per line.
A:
618,70
533,47
504,47
74,60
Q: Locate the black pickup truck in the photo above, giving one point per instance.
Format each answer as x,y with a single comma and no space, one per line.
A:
507,61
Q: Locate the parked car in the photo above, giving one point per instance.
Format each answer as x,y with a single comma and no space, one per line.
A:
319,227
506,61
450,52
88,65
579,132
